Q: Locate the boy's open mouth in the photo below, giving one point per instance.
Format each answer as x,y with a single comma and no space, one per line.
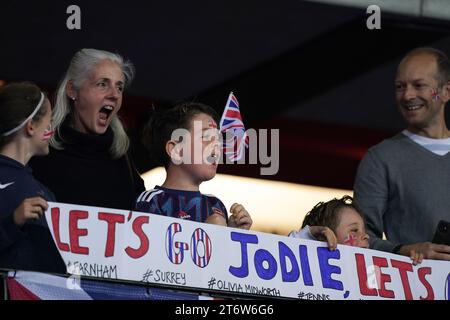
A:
212,159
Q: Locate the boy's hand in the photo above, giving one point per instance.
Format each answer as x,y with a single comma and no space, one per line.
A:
324,234
31,208
239,218
216,218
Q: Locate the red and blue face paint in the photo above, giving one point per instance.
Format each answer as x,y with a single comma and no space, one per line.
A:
212,124
350,240
434,94
48,133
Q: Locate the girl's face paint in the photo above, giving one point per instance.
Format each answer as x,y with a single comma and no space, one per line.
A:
350,240
350,229
434,94
48,133
43,130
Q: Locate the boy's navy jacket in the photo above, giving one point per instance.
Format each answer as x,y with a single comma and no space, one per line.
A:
31,246
189,205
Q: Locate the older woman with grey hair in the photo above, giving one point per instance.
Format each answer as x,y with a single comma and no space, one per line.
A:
89,162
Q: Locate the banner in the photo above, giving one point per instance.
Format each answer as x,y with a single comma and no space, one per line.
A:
135,246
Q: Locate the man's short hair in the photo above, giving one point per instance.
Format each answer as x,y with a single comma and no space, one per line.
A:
442,62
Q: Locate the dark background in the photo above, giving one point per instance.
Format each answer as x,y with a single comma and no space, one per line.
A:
312,70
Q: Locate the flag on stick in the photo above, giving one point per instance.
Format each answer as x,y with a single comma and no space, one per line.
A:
235,135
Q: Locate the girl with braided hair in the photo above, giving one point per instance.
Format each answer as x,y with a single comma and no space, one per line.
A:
338,221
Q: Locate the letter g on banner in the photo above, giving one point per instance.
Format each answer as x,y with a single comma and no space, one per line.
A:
175,249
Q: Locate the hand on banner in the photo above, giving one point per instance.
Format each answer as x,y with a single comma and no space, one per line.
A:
425,250
324,234
239,218
30,208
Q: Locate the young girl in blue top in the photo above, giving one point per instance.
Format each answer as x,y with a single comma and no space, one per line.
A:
25,128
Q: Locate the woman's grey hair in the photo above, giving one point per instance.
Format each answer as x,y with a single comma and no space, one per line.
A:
81,66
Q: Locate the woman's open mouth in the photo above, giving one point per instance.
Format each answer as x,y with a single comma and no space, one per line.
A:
105,112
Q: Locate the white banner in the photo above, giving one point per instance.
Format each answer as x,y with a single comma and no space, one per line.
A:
111,243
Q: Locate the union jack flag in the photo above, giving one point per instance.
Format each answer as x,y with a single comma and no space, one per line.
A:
235,135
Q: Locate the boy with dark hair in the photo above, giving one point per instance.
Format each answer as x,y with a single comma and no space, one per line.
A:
185,140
